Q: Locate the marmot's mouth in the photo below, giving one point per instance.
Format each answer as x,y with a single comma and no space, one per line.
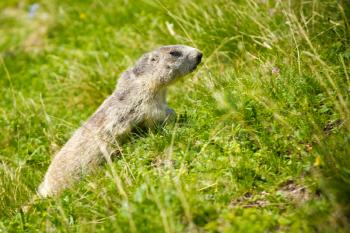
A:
193,68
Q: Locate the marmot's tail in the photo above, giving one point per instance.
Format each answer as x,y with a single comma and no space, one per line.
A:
44,190
77,158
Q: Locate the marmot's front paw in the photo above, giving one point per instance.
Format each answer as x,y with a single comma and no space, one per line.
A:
170,115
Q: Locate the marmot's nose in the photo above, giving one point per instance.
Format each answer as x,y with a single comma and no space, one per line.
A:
199,57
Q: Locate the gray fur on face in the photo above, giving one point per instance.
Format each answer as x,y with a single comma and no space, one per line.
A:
140,98
167,63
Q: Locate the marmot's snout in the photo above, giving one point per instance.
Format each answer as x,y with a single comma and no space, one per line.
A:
199,57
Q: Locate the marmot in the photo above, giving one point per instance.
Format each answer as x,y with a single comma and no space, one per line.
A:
139,99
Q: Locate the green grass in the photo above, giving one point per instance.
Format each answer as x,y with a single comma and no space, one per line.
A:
262,139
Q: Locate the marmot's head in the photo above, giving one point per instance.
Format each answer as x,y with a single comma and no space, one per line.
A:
164,65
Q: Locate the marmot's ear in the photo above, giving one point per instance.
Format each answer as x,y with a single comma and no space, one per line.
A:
154,58
141,65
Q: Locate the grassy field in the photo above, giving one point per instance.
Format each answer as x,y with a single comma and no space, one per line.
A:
262,139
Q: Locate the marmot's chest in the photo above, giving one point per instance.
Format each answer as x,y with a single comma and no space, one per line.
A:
155,111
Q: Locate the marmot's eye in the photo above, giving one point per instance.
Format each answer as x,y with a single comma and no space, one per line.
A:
176,53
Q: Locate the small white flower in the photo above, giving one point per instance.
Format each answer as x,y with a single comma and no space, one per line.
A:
275,70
